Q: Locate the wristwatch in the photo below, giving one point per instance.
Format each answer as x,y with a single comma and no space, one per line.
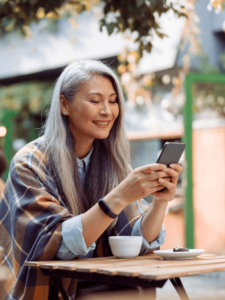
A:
105,208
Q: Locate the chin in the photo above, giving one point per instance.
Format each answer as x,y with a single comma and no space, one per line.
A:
101,136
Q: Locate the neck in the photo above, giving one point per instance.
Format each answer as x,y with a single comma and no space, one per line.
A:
82,149
83,143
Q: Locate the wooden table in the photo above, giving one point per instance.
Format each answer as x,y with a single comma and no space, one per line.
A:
145,271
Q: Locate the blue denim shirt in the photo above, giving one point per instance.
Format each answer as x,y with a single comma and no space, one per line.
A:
73,243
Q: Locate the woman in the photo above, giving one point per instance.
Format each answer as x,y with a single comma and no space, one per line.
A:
50,207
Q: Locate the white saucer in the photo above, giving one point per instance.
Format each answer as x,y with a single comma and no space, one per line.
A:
169,254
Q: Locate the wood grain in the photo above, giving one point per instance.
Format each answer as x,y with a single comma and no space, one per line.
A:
74,262
211,256
115,265
148,266
59,262
86,266
159,274
133,271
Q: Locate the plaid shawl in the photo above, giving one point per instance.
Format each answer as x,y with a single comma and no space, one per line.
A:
31,214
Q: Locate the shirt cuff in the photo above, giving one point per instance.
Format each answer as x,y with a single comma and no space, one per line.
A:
73,243
146,247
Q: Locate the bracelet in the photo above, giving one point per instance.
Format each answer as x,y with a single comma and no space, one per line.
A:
105,208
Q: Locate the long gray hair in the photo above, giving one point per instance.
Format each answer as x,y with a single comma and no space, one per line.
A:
110,157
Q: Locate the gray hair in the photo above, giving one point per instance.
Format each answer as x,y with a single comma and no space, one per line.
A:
110,157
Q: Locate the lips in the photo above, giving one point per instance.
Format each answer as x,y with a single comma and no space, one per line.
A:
101,124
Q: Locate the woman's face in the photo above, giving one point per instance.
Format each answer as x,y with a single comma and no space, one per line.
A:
93,111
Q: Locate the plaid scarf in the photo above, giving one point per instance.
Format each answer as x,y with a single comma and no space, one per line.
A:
31,214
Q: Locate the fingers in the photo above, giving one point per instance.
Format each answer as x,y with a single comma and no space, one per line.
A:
147,169
147,179
163,195
171,172
169,193
150,168
169,185
153,183
174,172
167,178
155,175
176,167
155,189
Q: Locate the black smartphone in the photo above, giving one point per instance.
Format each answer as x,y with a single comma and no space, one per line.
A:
171,153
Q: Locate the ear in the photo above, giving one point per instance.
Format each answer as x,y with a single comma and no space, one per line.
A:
63,105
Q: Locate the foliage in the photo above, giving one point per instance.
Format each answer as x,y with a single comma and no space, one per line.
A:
191,35
18,14
136,16
138,89
30,95
205,67
209,96
135,87
139,16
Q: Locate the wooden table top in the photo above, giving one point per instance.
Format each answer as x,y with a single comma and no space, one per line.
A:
149,266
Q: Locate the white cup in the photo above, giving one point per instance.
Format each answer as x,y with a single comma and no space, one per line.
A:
125,246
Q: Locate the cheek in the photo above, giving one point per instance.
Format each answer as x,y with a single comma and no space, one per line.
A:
84,113
89,112
115,111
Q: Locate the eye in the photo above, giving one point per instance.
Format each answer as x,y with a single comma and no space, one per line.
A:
113,101
94,101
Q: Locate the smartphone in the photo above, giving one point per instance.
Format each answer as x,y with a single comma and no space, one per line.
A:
171,153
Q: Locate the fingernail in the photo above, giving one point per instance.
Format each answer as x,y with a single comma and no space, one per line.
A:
172,166
161,180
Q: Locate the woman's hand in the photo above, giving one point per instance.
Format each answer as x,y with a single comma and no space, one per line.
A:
141,182
152,221
174,172
138,184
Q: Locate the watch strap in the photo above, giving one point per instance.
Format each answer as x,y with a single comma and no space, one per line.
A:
105,208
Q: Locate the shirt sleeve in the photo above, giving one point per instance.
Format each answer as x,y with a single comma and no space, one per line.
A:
146,247
73,243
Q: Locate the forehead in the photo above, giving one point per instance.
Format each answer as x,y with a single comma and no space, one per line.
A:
98,82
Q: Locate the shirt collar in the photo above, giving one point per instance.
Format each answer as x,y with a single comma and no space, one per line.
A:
85,159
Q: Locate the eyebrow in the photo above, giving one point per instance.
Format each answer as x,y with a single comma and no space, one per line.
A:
99,94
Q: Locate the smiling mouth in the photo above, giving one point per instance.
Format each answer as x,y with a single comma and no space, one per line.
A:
101,123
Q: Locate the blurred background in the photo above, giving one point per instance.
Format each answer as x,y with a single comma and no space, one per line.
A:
170,58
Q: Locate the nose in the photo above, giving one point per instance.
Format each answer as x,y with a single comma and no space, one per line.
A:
105,109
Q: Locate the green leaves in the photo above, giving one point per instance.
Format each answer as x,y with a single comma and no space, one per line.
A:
208,95
17,14
110,28
134,15
35,95
138,16
160,34
139,3
148,47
